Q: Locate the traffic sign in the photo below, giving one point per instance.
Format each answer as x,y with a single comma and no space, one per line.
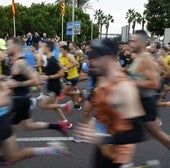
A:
73,26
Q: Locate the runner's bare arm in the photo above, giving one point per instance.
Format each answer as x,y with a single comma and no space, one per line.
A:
125,99
164,68
148,70
73,61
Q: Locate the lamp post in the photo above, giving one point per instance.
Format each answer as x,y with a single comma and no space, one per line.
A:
92,29
62,19
73,12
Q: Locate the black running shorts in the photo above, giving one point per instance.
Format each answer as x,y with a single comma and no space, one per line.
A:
149,106
5,128
20,110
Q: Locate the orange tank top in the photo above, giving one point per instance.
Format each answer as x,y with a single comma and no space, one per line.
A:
106,113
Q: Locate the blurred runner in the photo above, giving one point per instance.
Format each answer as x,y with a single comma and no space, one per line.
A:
115,113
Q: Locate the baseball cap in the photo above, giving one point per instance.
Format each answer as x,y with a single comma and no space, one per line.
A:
103,48
2,44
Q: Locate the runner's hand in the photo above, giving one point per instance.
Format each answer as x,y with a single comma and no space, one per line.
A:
87,133
11,83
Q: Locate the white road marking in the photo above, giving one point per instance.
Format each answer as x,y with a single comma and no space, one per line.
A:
41,139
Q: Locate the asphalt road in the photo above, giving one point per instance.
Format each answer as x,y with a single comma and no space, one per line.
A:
83,153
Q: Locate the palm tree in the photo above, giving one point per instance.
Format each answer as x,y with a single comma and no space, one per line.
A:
83,4
99,17
102,17
130,16
107,20
133,17
144,19
137,19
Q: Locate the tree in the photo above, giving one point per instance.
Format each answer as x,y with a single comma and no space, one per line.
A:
107,20
133,17
99,17
67,2
143,19
44,18
130,16
158,16
83,4
5,14
137,18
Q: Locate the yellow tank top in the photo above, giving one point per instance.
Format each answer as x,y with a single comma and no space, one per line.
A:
166,60
72,72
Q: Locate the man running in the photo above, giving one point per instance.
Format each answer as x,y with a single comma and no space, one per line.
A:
116,113
9,145
38,65
70,65
144,73
23,77
53,74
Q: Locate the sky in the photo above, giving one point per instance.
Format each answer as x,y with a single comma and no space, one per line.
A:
117,8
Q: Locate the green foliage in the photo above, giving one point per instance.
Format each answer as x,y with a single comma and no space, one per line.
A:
158,16
44,18
107,20
83,4
134,17
103,19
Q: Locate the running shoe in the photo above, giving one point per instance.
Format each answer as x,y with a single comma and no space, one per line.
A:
61,95
77,107
80,98
62,128
60,148
159,121
85,94
77,140
33,103
40,97
65,124
3,163
68,106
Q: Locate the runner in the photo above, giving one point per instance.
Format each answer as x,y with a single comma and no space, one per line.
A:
9,146
165,58
70,66
117,114
72,48
37,66
53,74
4,60
43,57
144,73
23,77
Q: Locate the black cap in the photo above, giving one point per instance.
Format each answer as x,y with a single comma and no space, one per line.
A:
103,47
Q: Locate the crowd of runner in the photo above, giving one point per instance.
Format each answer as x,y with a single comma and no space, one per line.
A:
126,83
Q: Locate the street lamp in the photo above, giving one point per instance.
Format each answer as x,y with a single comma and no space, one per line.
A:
73,12
92,29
